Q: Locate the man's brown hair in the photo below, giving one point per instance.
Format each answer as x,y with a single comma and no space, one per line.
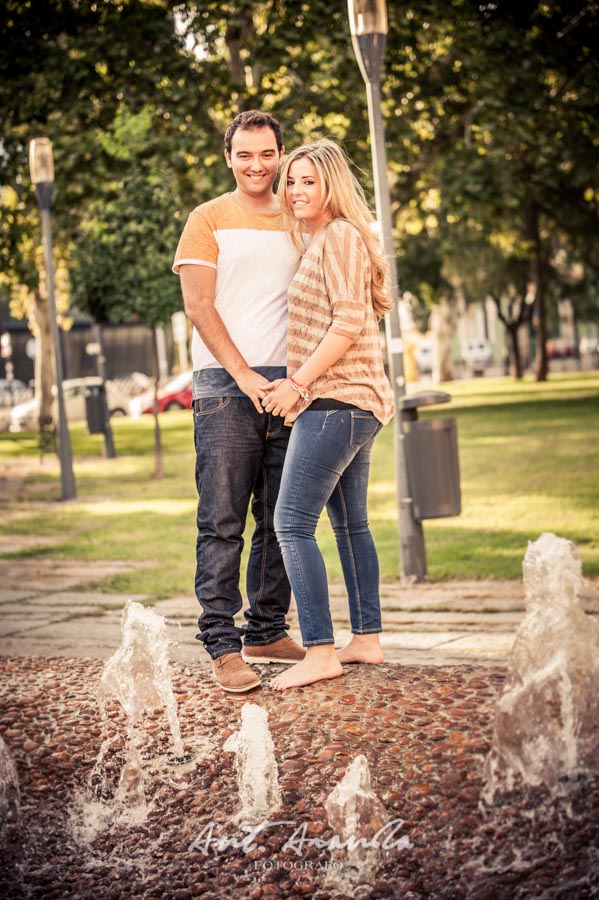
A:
253,118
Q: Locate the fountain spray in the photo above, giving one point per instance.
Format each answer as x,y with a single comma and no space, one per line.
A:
547,718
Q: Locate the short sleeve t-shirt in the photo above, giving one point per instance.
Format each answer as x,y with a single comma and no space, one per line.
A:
255,261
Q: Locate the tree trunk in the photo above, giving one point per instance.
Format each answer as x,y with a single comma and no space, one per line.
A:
236,37
575,335
540,276
541,361
512,326
158,454
442,329
44,358
109,451
513,333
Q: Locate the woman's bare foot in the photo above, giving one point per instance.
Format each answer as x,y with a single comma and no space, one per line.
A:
363,648
318,663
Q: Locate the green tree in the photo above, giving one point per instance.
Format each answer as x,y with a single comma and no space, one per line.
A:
489,112
121,261
91,61
23,280
495,112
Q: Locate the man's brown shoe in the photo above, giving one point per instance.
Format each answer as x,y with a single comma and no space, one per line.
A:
284,650
233,674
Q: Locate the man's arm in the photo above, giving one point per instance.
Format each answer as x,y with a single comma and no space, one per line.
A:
198,285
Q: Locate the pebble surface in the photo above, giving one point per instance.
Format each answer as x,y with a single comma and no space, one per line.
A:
424,730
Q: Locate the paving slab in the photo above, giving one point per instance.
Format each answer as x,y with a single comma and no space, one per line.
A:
12,595
178,606
483,644
89,636
419,640
15,625
57,575
16,543
96,600
439,618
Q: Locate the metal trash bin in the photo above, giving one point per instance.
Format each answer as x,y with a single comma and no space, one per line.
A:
431,452
94,408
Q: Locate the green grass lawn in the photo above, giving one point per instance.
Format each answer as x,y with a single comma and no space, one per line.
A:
529,461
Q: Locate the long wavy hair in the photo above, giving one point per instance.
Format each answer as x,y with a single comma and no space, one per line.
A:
344,199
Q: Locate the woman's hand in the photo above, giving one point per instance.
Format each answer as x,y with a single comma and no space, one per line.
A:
273,384
281,397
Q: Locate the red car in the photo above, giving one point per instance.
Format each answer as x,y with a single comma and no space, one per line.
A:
174,394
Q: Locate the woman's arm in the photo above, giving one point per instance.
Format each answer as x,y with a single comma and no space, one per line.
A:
284,397
344,264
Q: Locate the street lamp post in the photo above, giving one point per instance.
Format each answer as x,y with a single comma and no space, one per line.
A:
368,24
41,166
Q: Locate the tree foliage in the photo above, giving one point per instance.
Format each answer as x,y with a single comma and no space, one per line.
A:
121,260
495,114
490,115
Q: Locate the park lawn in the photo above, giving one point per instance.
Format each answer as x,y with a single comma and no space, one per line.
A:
529,461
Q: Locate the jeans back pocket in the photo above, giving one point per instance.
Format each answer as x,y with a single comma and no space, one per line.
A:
364,427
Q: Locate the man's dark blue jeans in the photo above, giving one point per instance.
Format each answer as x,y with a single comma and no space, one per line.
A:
239,459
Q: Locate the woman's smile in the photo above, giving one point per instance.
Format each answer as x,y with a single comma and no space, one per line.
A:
305,195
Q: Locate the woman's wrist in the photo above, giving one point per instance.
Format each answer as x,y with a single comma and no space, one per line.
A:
301,378
299,388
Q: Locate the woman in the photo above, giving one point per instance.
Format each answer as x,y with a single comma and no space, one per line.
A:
337,397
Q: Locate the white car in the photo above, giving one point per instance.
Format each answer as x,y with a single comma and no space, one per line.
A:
25,416
175,393
12,392
589,345
478,354
424,356
14,385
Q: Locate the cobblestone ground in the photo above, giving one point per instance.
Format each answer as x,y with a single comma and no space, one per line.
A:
424,730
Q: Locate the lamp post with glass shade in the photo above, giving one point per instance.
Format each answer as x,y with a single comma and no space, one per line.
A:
41,166
368,24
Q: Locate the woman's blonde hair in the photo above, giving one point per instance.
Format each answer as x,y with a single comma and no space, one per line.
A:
344,199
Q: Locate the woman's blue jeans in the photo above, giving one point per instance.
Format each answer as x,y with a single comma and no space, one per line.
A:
327,464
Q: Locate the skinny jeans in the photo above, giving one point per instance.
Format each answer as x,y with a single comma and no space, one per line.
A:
327,465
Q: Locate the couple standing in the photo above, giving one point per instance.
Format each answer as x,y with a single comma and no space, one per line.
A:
284,335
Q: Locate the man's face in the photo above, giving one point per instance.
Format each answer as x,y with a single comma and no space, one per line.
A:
254,160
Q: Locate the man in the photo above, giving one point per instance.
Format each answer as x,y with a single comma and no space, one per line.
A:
236,262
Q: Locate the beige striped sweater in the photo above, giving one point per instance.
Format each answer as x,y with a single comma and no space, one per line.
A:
331,291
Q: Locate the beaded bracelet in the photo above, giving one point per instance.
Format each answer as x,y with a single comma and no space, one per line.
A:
301,390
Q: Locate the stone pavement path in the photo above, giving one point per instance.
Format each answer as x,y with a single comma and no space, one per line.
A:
51,607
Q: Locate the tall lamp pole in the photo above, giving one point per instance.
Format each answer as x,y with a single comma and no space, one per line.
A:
368,24
41,166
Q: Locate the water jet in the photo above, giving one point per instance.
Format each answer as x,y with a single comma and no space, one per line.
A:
356,815
256,765
547,718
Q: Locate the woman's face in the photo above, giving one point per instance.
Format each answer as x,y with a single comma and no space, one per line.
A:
305,194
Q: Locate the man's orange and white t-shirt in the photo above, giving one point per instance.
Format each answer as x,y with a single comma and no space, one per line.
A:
255,261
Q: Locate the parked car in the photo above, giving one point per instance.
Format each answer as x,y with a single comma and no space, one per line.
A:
15,385
13,391
478,354
132,383
176,393
424,356
559,348
589,345
25,416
